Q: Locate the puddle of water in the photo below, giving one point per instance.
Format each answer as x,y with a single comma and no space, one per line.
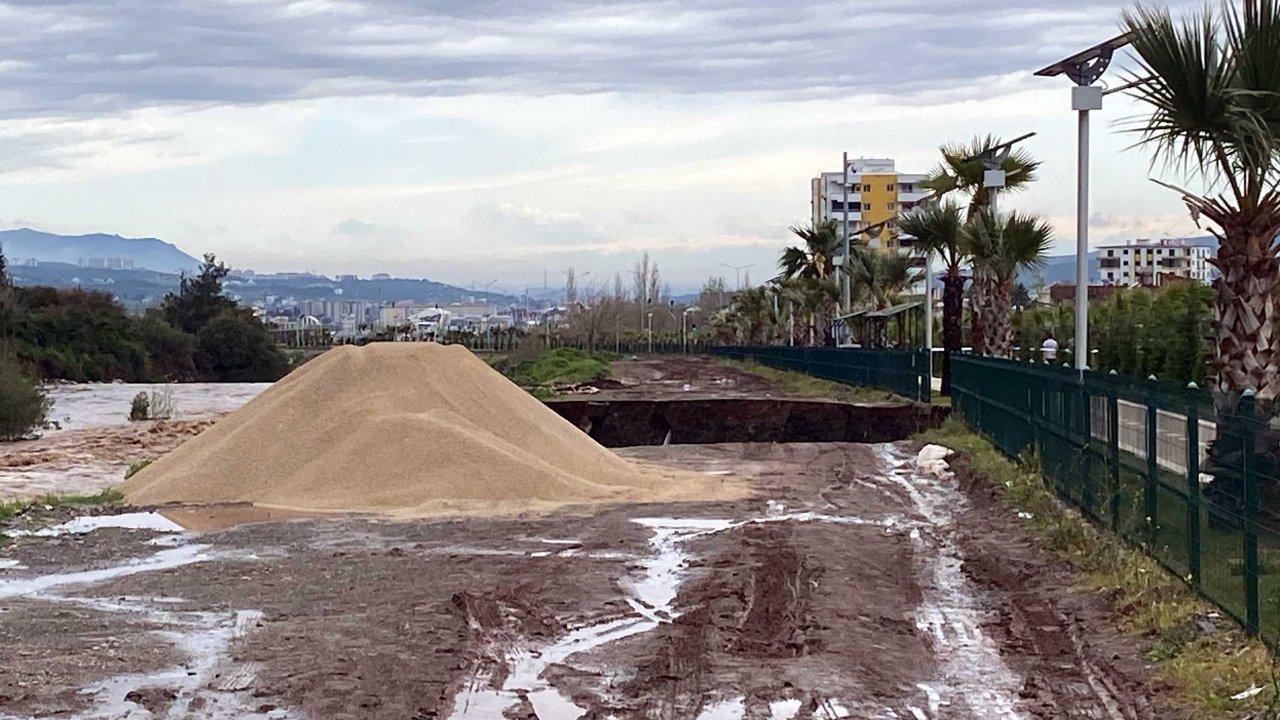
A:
972,671
11,564
651,596
784,709
152,521
208,682
162,560
733,709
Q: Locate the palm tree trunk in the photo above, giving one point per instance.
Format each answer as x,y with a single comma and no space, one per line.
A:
1000,330
1246,346
1247,351
952,312
977,315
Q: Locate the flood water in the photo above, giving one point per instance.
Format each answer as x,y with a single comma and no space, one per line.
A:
77,406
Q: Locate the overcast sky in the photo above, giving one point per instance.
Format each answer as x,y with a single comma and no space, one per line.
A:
469,140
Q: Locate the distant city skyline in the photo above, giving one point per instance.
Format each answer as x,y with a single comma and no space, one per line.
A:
474,141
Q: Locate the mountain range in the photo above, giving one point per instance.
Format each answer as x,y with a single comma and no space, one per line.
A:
96,250
140,271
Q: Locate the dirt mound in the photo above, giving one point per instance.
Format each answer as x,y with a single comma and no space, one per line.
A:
402,428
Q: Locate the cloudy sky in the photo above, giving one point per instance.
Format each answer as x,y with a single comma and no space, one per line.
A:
472,140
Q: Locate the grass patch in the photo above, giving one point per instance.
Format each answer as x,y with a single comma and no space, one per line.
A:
1205,659
135,467
802,385
560,367
110,496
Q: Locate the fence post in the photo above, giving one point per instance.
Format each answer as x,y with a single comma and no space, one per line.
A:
1250,520
1150,500
1086,426
1113,450
1193,483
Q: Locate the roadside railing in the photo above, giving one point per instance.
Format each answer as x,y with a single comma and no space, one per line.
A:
1192,483
904,372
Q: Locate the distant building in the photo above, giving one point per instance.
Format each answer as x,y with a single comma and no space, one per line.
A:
1150,262
876,193
107,263
393,316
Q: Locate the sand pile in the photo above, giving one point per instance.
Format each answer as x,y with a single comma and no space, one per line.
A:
402,428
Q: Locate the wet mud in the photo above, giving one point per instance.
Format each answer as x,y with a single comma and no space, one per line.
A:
854,584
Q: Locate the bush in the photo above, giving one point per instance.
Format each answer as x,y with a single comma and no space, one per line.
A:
236,347
140,408
22,401
563,366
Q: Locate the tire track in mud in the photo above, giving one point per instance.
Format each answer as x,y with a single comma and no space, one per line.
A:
207,682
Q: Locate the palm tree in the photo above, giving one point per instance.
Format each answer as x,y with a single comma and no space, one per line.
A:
815,258
752,312
811,300
1000,246
938,229
1210,82
878,279
958,172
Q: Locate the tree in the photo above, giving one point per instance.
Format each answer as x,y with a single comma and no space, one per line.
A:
1210,82
199,298
1021,296
4,270
22,401
1000,245
938,229
235,347
880,277
962,171
815,257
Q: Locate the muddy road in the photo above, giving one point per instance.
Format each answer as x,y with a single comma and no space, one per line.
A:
858,582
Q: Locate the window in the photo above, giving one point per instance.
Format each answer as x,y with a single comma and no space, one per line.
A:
891,206
890,187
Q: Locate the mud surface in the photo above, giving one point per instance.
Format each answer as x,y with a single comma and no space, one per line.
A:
853,585
657,377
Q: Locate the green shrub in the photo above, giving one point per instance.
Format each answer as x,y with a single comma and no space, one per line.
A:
236,347
22,401
562,366
135,467
140,408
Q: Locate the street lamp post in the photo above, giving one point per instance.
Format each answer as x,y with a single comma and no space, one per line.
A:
1084,68
650,317
846,291
684,327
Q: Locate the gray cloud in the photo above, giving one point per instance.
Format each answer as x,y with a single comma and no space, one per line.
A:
94,57
530,226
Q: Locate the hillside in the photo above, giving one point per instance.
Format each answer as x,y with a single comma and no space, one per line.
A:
139,288
146,253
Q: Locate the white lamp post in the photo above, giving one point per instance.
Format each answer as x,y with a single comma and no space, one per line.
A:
1084,68
684,327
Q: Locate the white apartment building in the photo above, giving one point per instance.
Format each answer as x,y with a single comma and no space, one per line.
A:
876,193
1145,261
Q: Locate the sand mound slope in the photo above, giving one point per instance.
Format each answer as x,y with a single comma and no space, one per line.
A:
400,428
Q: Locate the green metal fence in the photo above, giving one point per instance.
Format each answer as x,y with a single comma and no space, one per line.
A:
1191,483
905,372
